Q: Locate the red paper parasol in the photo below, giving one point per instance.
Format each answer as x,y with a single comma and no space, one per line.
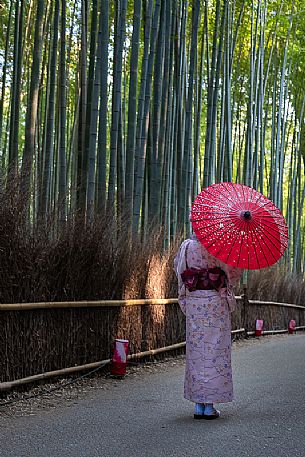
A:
239,226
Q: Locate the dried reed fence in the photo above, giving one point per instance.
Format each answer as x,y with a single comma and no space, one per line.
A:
43,337
82,261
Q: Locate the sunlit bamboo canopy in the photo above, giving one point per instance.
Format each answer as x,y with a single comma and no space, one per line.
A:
136,105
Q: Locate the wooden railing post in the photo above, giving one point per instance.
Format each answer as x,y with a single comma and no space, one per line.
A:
245,309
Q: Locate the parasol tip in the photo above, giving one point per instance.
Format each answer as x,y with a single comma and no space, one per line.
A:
246,215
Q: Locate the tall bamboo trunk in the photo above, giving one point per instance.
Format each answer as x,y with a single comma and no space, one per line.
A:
81,146
48,151
3,89
32,107
139,182
62,186
102,135
212,81
132,109
16,88
93,125
188,143
116,100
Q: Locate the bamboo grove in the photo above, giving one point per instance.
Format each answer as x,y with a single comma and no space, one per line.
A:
133,106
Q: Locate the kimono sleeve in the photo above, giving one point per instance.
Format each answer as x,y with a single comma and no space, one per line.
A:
179,267
234,274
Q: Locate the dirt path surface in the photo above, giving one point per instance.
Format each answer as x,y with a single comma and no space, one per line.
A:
146,415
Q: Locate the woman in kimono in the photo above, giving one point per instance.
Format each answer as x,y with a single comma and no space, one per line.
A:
208,372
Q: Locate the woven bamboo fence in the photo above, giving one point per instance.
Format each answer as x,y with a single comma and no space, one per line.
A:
44,337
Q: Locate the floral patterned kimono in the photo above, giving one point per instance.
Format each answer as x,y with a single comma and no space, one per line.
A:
208,373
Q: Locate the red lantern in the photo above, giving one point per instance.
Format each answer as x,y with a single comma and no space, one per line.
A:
291,326
259,327
119,357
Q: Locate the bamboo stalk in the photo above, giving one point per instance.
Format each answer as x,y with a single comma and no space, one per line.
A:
172,347
115,303
85,304
273,332
4,386
285,305
239,330
268,332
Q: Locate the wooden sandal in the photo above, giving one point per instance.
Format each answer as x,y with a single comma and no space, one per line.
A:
215,414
